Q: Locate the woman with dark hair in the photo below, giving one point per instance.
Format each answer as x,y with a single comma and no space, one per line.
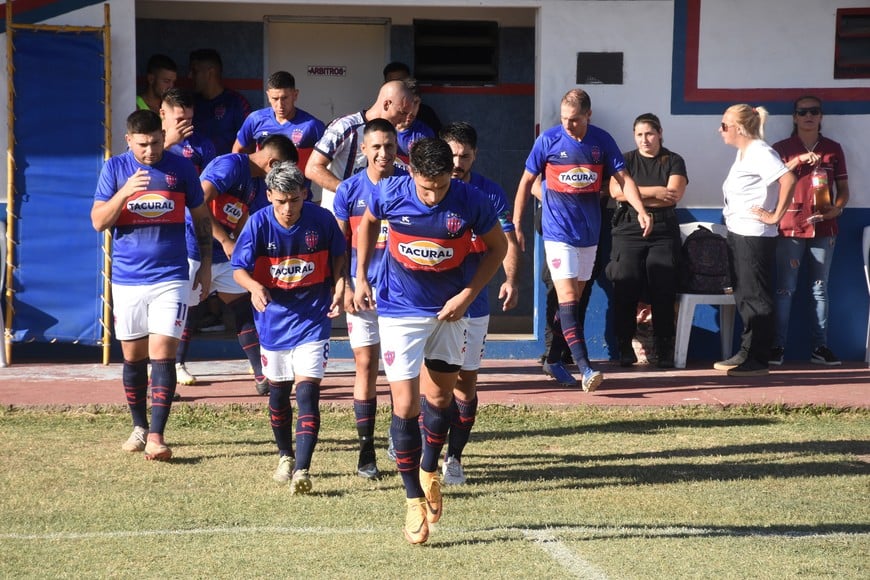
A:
808,231
757,192
639,262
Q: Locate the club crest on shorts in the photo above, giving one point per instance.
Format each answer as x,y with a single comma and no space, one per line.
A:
171,180
263,360
350,327
311,239
453,223
389,357
556,262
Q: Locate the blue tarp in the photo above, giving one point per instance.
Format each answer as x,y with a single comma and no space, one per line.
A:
59,132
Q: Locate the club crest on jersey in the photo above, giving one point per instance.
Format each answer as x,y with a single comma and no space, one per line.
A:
187,151
234,211
311,239
596,154
219,112
454,224
578,177
389,357
171,180
425,252
296,136
291,270
151,205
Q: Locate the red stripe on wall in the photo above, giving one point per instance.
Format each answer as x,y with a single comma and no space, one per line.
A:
22,6
506,89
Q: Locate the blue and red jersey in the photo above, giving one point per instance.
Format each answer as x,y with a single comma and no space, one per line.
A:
295,264
575,173
239,194
220,118
496,196
303,129
148,237
351,200
200,151
427,246
405,139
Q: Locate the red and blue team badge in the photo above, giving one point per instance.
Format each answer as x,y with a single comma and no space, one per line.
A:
556,262
219,112
350,328
596,154
296,136
311,239
187,151
263,360
171,181
454,224
389,357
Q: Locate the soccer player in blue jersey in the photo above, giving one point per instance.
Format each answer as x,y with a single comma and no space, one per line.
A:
576,159
141,196
411,129
351,202
235,187
176,111
282,116
424,294
291,258
219,111
462,139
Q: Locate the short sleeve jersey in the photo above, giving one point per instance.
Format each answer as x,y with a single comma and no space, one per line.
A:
295,264
239,194
496,196
148,237
351,201
794,222
200,151
750,183
575,172
654,171
405,139
303,129
220,118
423,267
341,145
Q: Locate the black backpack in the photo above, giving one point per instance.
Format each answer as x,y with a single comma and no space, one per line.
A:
705,267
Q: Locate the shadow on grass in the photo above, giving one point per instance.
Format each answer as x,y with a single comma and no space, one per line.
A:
574,471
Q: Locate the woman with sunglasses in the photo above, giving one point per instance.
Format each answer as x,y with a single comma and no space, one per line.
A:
808,233
757,191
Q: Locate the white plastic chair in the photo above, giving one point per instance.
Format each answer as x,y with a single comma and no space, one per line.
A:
688,302
865,252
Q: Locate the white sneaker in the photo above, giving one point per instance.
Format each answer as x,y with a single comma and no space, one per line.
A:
183,377
285,469
136,441
452,472
300,483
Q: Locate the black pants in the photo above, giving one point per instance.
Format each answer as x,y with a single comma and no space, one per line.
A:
753,259
640,263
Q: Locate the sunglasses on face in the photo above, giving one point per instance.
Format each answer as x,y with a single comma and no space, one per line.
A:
814,111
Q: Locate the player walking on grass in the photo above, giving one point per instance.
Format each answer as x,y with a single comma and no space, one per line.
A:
141,195
379,145
291,258
422,301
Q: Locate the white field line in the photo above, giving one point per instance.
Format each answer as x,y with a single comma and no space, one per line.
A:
564,557
553,534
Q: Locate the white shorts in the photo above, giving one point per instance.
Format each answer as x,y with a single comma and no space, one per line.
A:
475,342
567,262
222,279
150,309
405,342
362,328
306,360
193,268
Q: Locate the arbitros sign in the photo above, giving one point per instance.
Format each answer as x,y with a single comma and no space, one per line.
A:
317,70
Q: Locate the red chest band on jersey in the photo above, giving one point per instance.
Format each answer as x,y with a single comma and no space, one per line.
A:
228,210
436,255
574,179
289,272
150,208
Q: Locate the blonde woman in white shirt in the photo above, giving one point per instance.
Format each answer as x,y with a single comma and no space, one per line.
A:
758,190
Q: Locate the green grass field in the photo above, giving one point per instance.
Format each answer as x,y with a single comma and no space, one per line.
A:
588,493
